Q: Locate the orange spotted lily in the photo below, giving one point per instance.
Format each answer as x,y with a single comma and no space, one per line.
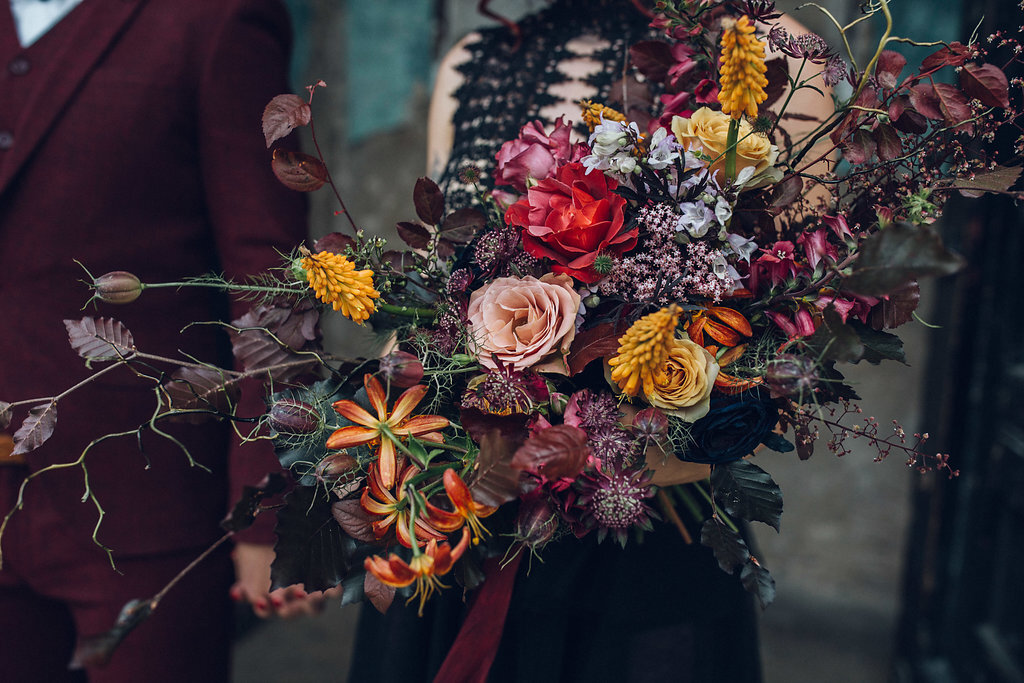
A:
384,430
424,568
465,507
394,509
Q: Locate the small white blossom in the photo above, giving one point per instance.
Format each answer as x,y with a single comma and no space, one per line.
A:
695,218
723,211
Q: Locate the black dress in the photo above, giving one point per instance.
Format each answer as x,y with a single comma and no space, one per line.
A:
660,610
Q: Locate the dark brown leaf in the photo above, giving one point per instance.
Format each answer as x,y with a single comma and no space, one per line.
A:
414,234
93,651
653,58
200,389
99,339
898,309
478,424
953,54
269,336
283,114
428,200
860,148
245,509
494,480
334,242
5,415
888,68
599,341
556,452
378,593
999,179
298,171
778,80
445,249
353,520
986,83
924,100
787,192
888,143
954,105
804,441
895,256
461,226
905,118
36,429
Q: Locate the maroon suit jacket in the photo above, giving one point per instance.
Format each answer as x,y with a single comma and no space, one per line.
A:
130,140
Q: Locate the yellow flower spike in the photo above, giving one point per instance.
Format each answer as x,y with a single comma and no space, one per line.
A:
644,349
592,112
335,280
742,70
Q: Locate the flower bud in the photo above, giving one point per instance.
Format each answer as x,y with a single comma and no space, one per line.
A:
603,264
118,287
791,375
292,417
299,271
402,369
557,402
336,466
462,359
536,523
592,301
651,424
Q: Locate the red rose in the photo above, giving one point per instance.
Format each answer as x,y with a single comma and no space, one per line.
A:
570,219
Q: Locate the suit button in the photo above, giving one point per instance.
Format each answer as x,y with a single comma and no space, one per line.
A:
6,139
19,66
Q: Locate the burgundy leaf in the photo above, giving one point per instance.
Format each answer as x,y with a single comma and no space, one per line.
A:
479,424
860,148
283,114
898,308
269,336
100,338
804,441
986,83
461,226
653,58
954,54
354,520
446,249
888,140
787,192
778,80
36,429
999,179
599,341
200,389
298,171
333,242
954,105
378,593
5,414
888,68
925,101
556,452
494,480
428,200
245,509
414,234
400,261
904,118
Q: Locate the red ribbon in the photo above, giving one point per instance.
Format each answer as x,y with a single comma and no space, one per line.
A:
470,658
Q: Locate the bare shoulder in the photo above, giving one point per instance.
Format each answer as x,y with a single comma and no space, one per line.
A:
440,131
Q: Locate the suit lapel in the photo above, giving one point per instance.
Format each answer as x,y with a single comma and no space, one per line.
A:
87,33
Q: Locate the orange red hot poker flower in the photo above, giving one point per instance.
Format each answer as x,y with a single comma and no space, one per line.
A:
385,429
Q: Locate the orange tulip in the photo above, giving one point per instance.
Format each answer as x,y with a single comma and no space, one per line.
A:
384,429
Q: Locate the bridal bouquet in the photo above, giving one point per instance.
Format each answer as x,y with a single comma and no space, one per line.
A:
624,326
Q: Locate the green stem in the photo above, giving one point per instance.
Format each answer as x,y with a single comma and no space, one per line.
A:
714,506
408,311
730,150
230,286
794,85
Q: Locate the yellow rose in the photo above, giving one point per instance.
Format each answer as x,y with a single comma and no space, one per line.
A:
707,131
683,386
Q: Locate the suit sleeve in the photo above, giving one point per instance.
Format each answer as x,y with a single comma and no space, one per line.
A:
253,216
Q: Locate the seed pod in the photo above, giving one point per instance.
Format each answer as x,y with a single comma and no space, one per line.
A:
336,466
537,522
651,424
791,375
118,287
289,416
402,369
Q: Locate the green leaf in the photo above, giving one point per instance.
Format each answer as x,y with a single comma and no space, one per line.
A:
311,548
896,255
748,492
728,546
758,581
879,345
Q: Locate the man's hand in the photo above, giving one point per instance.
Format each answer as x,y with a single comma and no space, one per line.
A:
252,584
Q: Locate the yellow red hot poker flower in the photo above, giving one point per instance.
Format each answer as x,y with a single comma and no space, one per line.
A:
423,569
742,69
593,112
335,280
644,349
384,429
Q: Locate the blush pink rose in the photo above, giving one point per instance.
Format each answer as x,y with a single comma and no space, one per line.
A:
534,154
524,322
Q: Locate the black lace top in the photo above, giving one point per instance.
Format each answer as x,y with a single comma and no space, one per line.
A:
504,88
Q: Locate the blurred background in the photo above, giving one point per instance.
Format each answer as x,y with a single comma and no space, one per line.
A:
882,573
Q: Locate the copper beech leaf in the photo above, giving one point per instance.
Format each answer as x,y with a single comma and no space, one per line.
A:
461,225
889,145
925,102
428,200
556,452
596,342
494,480
728,546
758,581
777,73
748,492
354,520
206,389
36,429
271,338
888,68
956,109
283,114
896,255
96,650
986,83
896,309
245,509
334,242
99,339
413,234
378,593
653,58
298,171
953,54
999,179
860,147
